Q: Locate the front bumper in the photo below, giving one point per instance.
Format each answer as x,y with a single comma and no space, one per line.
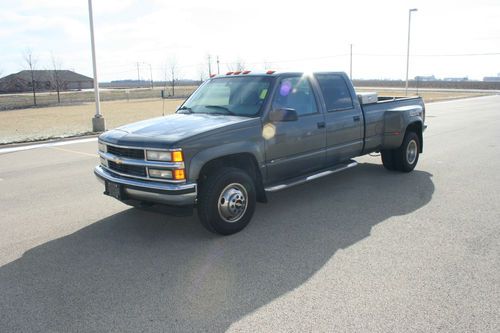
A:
148,191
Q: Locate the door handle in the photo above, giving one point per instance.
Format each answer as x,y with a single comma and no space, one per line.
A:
356,118
321,124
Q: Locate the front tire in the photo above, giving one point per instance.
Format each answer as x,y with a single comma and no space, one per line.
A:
227,200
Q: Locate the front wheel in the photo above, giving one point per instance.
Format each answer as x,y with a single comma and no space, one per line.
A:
227,201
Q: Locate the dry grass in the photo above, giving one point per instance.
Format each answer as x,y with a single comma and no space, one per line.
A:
43,123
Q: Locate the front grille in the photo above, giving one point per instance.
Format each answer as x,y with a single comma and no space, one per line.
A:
126,152
133,170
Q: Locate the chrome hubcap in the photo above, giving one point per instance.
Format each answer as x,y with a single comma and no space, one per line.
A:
411,152
232,203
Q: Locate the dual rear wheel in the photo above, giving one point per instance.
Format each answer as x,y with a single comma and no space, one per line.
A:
405,157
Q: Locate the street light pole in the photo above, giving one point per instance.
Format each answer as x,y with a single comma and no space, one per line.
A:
408,49
98,123
350,65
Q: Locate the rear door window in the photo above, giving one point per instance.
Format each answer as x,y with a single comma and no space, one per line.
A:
335,92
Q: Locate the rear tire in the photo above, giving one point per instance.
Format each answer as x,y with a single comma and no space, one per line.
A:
226,201
388,159
405,157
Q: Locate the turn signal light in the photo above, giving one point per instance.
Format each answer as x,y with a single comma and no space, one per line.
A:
179,174
177,156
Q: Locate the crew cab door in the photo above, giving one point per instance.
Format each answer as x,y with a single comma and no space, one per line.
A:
295,147
343,116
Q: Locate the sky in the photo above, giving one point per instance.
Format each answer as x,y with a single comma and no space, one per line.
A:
448,38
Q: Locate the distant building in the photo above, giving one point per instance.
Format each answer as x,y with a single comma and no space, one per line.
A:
44,80
492,78
425,78
456,79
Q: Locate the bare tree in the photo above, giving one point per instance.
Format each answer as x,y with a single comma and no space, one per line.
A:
172,70
237,66
31,62
57,79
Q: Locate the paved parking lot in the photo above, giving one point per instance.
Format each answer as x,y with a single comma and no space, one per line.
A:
364,250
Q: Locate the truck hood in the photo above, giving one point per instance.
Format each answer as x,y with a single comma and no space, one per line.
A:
168,129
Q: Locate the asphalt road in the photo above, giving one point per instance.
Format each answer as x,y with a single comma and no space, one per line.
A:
365,250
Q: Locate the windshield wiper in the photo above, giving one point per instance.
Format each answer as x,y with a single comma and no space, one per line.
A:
185,110
226,110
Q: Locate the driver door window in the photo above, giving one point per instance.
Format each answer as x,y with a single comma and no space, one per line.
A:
295,93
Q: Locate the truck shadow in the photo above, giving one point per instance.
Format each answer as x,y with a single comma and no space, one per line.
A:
140,271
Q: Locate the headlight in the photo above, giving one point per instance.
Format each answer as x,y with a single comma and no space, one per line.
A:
175,174
102,147
158,173
154,155
164,156
104,162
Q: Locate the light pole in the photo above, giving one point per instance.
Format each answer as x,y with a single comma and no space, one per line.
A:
98,123
408,49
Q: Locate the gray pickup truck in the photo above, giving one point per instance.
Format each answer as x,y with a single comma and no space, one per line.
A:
243,134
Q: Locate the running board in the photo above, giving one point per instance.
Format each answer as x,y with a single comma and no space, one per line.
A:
305,179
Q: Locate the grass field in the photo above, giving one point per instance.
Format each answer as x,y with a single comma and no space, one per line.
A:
62,121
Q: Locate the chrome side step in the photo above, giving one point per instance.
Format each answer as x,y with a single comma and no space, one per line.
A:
304,179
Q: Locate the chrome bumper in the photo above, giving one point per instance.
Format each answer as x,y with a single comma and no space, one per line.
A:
163,193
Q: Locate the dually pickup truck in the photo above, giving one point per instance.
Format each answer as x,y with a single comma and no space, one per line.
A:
243,134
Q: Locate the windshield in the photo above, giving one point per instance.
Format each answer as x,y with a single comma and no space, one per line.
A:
238,96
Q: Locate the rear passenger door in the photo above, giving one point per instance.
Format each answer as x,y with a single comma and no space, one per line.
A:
344,121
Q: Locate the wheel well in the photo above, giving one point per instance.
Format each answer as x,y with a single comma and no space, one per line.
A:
243,161
417,128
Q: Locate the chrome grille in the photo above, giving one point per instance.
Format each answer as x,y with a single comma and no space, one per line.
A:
128,169
126,152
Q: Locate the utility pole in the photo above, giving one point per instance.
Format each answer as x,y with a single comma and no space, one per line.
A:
98,123
151,74
350,65
218,66
408,49
209,66
138,75
173,81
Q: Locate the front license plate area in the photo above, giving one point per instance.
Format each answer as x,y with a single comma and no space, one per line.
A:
114,190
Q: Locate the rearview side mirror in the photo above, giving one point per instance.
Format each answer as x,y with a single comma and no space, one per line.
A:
284,114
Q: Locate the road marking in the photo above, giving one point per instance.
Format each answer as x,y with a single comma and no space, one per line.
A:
45,145
74,151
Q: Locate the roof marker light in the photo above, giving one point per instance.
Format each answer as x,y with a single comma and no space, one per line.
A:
213,75
270,72
237,72
229,73
246,72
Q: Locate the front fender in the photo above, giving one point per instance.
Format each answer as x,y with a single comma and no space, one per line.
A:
256,149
